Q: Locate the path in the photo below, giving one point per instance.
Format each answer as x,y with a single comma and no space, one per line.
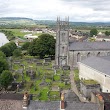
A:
74,88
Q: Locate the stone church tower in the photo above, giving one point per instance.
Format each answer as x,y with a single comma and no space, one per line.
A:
62,42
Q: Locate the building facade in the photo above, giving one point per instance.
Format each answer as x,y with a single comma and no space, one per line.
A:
62,42
70,52
96,68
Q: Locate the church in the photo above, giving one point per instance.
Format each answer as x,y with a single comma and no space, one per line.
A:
70,52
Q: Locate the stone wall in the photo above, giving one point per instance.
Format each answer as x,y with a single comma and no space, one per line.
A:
77,56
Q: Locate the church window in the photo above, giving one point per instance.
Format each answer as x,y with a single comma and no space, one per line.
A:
63,37
108,53
98,54
78,57
88,55
63,49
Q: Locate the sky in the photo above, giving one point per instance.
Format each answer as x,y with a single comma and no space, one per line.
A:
77,10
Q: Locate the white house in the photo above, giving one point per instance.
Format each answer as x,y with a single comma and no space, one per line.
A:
30,37
96,68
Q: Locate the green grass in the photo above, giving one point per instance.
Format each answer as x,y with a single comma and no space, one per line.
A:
76,75
42,75
44,94
89,82
56,77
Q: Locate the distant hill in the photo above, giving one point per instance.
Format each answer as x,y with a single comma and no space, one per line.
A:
15,21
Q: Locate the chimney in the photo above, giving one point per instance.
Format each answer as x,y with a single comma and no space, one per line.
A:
62,102
25,100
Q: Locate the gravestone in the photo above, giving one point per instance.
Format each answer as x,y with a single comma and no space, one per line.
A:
55,88
47,60
56,67
38,64
45,64
66,67
16,62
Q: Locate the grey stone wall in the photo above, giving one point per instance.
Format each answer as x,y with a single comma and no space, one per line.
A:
77,56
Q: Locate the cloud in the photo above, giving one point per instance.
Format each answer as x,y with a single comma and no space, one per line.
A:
77,10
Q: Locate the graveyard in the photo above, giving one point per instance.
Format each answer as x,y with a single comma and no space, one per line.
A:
39,77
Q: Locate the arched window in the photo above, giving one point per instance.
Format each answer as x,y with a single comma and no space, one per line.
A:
108,54
88,55
98,54
78,57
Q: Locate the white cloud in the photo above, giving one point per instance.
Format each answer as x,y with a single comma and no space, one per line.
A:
77,10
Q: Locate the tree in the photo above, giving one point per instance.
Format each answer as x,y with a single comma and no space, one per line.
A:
6,79
93,32
3,64
8,48
2,55
17,53
43,45
25,46
107,33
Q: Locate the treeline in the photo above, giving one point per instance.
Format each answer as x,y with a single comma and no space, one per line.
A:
94,31
6,77
9,34
8,49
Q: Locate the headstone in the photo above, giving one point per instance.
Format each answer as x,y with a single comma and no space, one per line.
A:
39,64
66,67
45,64
47,60
56,67
16,62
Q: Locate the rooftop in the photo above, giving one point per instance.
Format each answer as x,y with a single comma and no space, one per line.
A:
87,46
11,96
101,64
37,105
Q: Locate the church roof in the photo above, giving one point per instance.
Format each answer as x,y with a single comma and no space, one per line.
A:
37,105
10,104
70,96
88,46
101,64
11,96
81,106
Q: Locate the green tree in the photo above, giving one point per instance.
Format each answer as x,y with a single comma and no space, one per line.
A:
3,64
2,55
43,45
17,52
93,32
25,46
6,79
8,48
107,33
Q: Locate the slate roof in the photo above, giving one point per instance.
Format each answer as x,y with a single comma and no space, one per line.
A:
87,46
36,105
10,105
11,96
70,96
101,64
81,106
